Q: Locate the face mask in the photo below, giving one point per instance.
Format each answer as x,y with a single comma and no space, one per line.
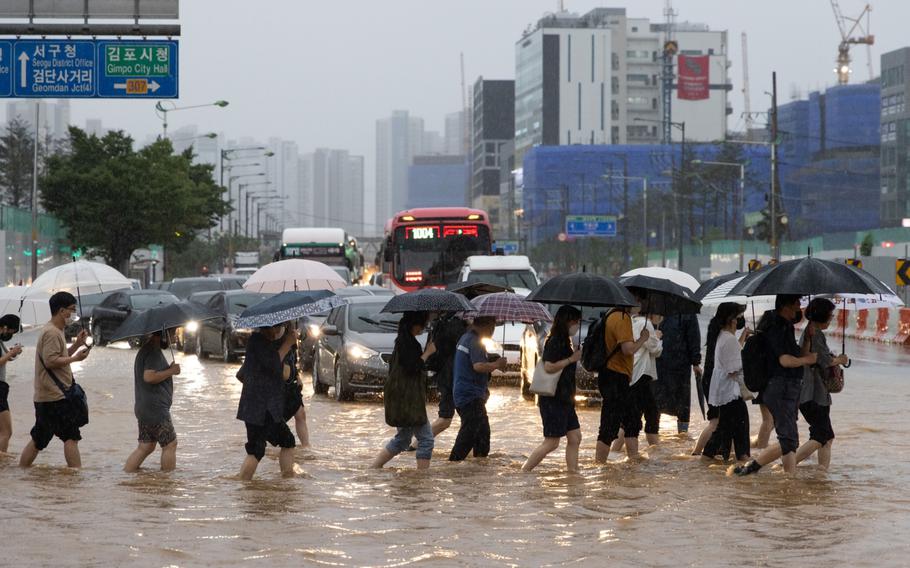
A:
573,331
6,337
71,319
164,342
797,318
740,322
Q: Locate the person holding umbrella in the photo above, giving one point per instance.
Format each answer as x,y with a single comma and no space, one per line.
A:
405,392
558,411
261,404
9,325
680,357
153,380
446,332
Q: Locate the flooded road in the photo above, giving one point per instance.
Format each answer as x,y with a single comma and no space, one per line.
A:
668,511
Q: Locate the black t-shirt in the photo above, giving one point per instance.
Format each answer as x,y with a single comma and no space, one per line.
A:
780,337
554,350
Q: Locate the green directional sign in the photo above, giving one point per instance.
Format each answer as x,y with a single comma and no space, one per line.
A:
137,60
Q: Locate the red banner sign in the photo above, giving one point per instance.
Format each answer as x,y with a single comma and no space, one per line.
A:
693,77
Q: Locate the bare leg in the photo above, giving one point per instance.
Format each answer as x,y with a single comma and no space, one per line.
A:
764,431
705,436
632,448
545,447
602,452
423,464
71,453
142,451
28,455
653,439
169,457
789,461
382,459
807,449
573,442
770,454
440,425
303,433
248,469
6,430
824,455
286,462
618,442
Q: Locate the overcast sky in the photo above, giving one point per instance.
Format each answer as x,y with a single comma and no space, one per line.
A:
321,73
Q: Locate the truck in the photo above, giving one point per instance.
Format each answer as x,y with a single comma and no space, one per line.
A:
330,245
246,262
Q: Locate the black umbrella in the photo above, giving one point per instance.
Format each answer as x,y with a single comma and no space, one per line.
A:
583,289
712,284
471,290
162,317
661,296
809,276
428,300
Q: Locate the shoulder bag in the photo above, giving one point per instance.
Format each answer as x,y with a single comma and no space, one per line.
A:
74,396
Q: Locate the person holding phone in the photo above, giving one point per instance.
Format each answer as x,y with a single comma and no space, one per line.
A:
9,326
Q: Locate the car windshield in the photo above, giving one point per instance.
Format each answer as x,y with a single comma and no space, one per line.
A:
433,258
343,272
365,318
510,278
183,288
146,301
240,302
234,283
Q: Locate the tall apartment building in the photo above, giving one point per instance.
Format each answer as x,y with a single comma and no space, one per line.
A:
399,138
334,179
596,79
895,137
54,116
493,130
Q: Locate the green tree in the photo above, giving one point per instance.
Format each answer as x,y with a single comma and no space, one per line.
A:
113,199
865,248
17,154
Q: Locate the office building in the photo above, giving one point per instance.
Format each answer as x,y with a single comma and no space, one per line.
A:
399,138
895,137
437,181
493,129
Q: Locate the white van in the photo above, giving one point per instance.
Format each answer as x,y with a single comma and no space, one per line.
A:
512,271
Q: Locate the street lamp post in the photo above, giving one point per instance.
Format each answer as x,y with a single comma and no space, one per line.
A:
742,201
226,156
162,108
246,203
644,213
260,210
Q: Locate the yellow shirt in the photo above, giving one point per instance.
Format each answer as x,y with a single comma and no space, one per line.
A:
51,345
618,331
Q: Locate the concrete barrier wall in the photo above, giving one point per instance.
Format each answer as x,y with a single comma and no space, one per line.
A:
882,324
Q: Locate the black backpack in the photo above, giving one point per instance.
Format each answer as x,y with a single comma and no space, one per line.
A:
756,358
594,356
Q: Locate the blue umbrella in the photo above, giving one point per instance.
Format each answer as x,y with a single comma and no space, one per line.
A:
288,306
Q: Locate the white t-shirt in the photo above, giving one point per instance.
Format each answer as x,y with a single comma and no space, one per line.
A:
728,370
646,357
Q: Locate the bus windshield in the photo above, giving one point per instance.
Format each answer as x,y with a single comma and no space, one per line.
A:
433,254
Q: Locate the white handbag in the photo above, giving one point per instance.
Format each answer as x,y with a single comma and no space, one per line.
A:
544,383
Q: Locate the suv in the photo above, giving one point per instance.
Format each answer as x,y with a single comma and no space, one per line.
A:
110,313
513,272
184,287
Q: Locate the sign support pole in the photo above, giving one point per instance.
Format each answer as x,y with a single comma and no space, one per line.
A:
35,194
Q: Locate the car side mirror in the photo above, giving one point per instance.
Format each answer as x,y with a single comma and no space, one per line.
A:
123,308
329,330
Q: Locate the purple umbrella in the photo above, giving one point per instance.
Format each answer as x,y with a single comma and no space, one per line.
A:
509,307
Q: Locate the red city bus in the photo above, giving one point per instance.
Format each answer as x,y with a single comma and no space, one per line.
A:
427,247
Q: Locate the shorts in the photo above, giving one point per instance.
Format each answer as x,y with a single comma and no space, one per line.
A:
4,396
713,412
782,399
53,419
618,407
819,419
446,404
293,398
558,417
275,433
162,433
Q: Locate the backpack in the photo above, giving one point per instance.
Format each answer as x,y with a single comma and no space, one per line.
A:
756,356
594,356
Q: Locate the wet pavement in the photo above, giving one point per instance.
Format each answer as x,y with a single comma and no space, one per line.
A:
667,511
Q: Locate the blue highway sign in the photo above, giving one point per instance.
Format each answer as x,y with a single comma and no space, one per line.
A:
62,69
591,226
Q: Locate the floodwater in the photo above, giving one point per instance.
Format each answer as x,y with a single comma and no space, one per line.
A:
668,511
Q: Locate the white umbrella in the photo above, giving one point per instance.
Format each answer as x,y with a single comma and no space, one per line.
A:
33,311
856,302
78,277
675,276
294,274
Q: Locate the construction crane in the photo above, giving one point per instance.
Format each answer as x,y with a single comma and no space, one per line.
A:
747,106
847,28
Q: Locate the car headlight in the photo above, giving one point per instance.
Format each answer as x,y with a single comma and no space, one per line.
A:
360,352
490,345
192,327
244,330
314,330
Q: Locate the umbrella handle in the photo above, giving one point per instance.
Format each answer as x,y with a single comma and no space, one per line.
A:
848,364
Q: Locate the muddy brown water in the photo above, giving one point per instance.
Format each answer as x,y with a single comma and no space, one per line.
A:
667,511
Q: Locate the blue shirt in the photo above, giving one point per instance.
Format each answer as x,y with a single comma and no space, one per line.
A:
468,384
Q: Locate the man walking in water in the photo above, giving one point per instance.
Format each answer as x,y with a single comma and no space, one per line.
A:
53,414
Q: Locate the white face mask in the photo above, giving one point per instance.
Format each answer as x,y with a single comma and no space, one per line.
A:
574,330
71,318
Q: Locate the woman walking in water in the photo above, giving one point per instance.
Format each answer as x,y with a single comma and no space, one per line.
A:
558,411
405,393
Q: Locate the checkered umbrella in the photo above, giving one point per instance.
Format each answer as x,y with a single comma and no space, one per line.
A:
509,307
288,306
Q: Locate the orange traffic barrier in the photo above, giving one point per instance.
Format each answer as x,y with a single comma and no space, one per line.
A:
883,316
903,327
861,329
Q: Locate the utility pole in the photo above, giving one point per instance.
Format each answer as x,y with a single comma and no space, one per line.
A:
35,194
679,215
775,247
625,213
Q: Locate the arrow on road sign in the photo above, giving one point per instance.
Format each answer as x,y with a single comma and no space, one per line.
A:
153,86
23,60
903,272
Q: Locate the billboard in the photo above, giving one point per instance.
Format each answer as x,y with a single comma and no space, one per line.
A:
693,77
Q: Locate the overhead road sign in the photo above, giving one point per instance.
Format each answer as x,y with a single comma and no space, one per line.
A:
91,9
590,226
63,69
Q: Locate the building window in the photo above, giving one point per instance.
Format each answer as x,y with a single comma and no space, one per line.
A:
569,59
592,58
579,106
